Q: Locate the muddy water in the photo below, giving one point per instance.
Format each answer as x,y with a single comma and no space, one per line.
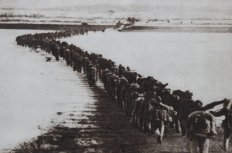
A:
33,91
199,62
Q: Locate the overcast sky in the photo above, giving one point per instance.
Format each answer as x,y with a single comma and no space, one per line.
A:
201,8
219,4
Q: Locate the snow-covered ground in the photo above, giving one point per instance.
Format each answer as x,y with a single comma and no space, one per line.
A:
199,62
32,91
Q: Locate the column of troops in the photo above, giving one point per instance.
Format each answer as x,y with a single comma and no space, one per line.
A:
150,105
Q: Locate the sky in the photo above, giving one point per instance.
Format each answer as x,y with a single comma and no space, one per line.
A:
211,4
219,9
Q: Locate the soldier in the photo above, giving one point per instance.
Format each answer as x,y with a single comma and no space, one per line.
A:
67,56
76,62
113,85
55,51
131,76
199,126
111,81
121,70
176,106
108,77
121,90
120,83
147,107
85,64
149,83
79,64
227,122
185,105
101,65
138,110
91,75
104,78
130,97
159,117
62,49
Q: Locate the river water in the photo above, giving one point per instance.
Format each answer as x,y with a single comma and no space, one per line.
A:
33,91
199,62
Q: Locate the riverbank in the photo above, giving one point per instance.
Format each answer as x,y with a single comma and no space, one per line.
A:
47,26
181,28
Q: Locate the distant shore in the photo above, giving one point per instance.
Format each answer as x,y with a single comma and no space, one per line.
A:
97,27
50,26
182,28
